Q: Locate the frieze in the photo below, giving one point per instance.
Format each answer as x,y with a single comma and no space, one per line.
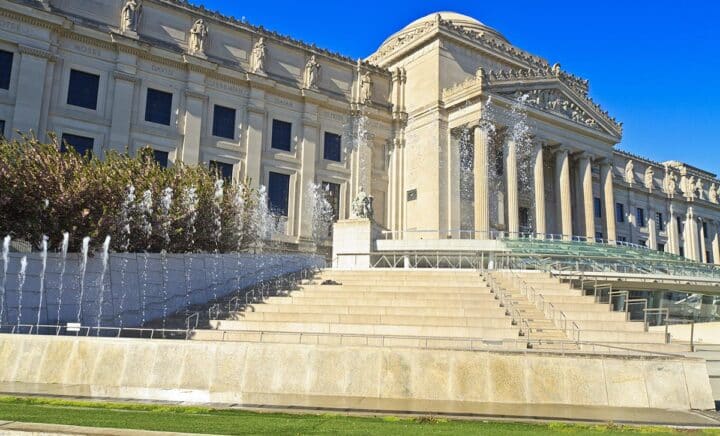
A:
552,100
281,101
333,116
227,86
16,27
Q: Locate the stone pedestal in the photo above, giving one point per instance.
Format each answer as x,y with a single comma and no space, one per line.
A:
353,241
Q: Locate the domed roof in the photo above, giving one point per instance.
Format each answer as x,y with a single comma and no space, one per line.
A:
460,20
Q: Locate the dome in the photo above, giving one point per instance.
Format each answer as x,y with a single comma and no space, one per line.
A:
460,20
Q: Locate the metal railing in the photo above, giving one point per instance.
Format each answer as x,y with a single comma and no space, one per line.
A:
88,331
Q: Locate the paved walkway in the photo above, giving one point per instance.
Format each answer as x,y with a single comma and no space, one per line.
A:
23,428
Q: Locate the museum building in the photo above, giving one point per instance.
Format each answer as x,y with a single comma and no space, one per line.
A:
453,130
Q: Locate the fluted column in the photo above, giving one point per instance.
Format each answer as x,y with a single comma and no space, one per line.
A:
652,231
674,236
480,172
562,185
691,236
606,181
539,173
511,182
703,248
588,199
716,244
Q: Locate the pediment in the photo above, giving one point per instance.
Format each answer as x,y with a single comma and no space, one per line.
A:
556,95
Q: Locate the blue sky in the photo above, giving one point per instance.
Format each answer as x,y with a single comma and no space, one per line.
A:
651,64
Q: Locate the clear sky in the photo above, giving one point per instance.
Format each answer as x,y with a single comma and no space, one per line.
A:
652,64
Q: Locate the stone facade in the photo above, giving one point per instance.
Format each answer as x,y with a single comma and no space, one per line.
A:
452,129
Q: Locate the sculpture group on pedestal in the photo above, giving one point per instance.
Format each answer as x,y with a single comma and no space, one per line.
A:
130,15
362,206
198,35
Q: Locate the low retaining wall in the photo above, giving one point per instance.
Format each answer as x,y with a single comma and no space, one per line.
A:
344,376
159,283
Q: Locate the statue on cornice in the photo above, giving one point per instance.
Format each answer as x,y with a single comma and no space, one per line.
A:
713,194
630,172
556,69
312,69
198,35
687,186
700,189
649,178
130,15
366,85
670,182
257,59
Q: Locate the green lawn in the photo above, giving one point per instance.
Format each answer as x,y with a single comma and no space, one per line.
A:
205,420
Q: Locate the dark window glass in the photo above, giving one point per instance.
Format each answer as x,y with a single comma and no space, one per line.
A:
333,147
279,193
708,257
158,107
224,122
2,128
619,213
682,251
704,229
82,144
598,236
660,222
524,217
598,207
661,247
679,222
640,215
222,169
281,134
6,61
161,157
333,195
83,89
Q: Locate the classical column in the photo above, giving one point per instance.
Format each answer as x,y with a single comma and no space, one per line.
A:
30,89
652,231
703,248
122,105
691,236
194,110
308,154
716,244
585,162
606,181
511,182
540,225
562,186
480,172
674,232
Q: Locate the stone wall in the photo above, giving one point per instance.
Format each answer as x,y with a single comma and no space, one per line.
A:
162,284
345,376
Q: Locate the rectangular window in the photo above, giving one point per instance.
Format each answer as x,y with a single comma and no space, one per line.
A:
704,229
708,257
81,144
598,236
598,207
279,193
682,251
281,135
158,107
333,147
619,212
161,157
679,222
2,128
524,217
661,247
6,62
660,222
640,215
222,169
332,191
83,89
224,122
621,239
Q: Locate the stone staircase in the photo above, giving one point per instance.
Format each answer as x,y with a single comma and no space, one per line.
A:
453,308
711,354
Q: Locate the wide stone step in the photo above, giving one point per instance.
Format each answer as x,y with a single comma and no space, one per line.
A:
446,296
398,302
624,337
581,307
379,319
623,326
404,283
368,329
490,310
576,315
440,288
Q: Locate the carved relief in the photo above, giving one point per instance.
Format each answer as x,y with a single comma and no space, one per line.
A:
130,15
649,178
198,36
257,58
312,69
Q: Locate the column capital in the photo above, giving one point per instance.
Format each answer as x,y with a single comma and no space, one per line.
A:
584,155
119,75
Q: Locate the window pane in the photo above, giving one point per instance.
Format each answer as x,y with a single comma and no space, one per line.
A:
158,107
222,169
279,193
619,213
281,134
598,207
161,157
82,144
83,89
224,122
6,61
333,147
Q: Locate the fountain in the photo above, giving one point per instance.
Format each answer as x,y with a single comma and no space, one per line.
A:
63,264
6,260
43,257
83,269
21,284
101,298
322,212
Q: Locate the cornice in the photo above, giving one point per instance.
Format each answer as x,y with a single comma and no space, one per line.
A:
119,75
37,52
